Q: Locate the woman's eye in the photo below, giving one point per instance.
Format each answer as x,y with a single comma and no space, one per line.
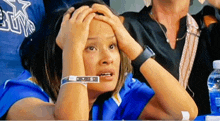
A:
113,46
91,48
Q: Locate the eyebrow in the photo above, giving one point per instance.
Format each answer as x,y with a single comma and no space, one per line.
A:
93,38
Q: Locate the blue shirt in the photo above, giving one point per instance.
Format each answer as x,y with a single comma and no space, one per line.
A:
127,104
19,19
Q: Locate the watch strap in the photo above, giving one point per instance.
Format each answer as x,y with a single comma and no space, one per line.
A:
145,55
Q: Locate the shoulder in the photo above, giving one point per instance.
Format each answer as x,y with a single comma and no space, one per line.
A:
134,95
130,14
207,16
135,15
133,85
128,103
129,17
16,89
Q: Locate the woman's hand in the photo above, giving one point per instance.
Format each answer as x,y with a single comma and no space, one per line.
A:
215,3
74,29
72,39
126,43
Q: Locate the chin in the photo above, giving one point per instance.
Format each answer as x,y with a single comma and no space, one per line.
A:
102,87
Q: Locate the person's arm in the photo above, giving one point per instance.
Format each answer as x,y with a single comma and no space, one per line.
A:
215,3
211,18
170,97
72,101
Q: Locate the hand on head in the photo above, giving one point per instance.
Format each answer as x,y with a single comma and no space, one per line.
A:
74,29
114,21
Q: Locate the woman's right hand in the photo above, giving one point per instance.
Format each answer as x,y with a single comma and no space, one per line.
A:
74,28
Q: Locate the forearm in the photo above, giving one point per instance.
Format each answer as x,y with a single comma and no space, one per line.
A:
170,94
72,101
73,61
132,49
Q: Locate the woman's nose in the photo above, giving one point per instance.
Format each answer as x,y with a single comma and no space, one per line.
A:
106,58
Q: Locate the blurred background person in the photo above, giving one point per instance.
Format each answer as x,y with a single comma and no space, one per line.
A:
185,45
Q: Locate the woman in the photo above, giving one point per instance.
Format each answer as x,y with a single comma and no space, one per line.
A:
184,45
89,44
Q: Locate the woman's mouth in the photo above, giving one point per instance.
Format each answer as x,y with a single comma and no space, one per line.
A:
105,74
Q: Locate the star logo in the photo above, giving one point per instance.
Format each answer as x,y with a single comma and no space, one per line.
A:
18,6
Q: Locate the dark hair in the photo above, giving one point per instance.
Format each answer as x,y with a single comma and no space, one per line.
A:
43,58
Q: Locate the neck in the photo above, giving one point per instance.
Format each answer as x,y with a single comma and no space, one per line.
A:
171,6
172,10
92,98
169,13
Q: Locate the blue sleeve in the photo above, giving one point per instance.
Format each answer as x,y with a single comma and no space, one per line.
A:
11,92
134,102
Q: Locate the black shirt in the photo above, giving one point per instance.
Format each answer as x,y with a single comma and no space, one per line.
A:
146,31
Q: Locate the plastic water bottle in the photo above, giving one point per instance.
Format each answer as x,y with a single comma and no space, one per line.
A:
214,88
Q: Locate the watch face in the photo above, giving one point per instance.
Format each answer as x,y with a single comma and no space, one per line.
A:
150,50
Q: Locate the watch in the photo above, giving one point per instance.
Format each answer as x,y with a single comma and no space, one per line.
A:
145,55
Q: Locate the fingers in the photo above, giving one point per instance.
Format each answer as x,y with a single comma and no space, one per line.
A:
102,9
83,14
104,19
89,18
78,11
67,14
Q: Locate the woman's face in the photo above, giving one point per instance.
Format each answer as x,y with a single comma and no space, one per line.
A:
101,56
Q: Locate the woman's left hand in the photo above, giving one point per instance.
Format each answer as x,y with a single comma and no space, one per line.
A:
215,3
113,21
125,42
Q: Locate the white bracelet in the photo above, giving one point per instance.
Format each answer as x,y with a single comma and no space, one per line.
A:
80,79
85,84
185,115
